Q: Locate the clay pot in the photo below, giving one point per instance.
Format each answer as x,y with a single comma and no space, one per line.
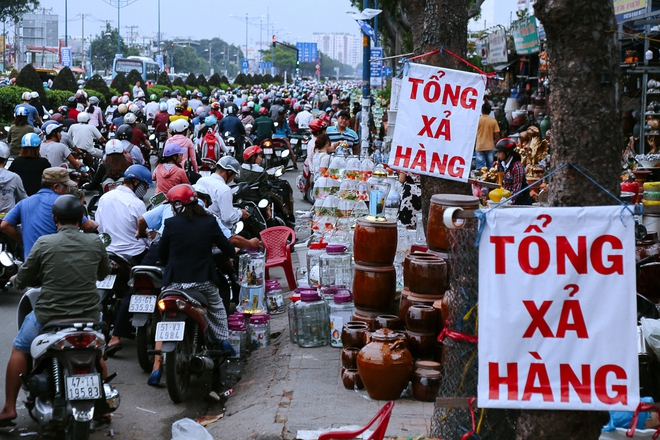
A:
441,208
351,379
427,276
374,287
392,322
349,357
366,317
426,384
427,365
440,323
385,365
421,318
648,247
352,334
406,262
408,299
421,344
374,242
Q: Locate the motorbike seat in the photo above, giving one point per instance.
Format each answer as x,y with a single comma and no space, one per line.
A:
189,293
57,324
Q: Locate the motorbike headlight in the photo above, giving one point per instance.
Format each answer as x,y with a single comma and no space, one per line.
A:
181,304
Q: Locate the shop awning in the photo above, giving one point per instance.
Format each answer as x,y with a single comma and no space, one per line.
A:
500,67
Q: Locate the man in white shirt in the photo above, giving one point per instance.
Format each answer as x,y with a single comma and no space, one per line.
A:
151,109
304,117
84,135
137,89
216,186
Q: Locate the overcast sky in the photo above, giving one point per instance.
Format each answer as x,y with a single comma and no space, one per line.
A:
293,20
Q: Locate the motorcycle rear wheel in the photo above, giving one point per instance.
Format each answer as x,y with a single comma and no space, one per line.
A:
78,431
177,369
144,341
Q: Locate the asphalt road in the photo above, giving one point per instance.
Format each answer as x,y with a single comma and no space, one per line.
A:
145,412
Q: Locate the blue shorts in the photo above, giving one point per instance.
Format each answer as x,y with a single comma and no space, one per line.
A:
27,333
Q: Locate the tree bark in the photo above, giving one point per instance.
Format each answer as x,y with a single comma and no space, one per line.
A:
586,127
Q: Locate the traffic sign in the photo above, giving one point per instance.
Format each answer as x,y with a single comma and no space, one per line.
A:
317,72
245,66
307,52
376,66
66,56
318,66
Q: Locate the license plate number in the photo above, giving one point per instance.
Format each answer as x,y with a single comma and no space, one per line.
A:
268,151
204,173
170,331
142,304
294,141
106,283
83,387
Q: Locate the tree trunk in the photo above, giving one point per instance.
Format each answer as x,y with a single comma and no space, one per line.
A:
443,24
586,129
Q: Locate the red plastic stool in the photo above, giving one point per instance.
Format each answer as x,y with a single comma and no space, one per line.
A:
278,241
378,434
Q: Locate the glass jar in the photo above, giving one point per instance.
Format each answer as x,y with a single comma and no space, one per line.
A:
275,299
341,311
237,338
313,270
393,200
293,324
379,188
312,320
336,266
251,300
251,268
259,331
328,293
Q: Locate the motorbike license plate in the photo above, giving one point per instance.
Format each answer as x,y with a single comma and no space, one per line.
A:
204,173
142,304
106,283
83,387
268,151
294,141
170,331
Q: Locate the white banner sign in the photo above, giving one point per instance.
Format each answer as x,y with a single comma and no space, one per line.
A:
437,122
557,310
497,51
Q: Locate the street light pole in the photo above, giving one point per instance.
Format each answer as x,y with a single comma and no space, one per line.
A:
246,40
66,23
118,30
158,27
366,89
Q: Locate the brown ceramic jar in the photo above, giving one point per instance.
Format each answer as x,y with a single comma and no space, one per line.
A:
426,384
392,322
648,247
385,365
437,233
427,276
374,287
421,318
427,365
366,317
408,299
350,377
440,323
349,357
374,241
422,345
352,334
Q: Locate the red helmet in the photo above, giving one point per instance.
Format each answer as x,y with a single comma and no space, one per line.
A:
183,194
506,145
317,125
57,117
263,110
251,151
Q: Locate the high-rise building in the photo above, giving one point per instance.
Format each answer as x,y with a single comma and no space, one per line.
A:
40,40
345,48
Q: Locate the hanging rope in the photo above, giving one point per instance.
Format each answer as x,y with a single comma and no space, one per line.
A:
463,60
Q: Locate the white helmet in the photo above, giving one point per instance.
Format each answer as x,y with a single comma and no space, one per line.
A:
26,96
114,146
162,106
4,150
179,126
34,95
83,117
130,118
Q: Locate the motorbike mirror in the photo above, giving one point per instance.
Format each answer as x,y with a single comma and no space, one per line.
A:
152,137
84,169
248,127
5,259
7,128
279,171
105,238
277,124
263,203
285,153
238,227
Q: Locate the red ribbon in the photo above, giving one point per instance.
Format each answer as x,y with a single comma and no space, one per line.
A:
642,407
456,336
468,434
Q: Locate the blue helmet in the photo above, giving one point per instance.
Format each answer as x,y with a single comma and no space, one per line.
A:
210,121
139,172
30,140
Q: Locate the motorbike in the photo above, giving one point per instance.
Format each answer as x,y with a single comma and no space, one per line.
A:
256,222
186,348
230,143
107,185
282,198
305,182
64,383
299,141
276,153
9,263
146,282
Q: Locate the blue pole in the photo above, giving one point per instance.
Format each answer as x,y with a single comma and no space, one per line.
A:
118,30
158,27
66,23
366,89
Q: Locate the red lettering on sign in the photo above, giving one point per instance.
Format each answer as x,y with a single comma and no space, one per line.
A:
432,91
620,390
500,252
572,308
428,126
567,377
538,319
538,372
437,164
565,251
415,83
616,261
401,158
444,129
468,98
543,251
456,166
495,381
420,160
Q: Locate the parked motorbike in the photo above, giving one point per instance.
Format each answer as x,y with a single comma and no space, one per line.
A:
186,348
282,197
146,282
256,222
299,141
305,182
64,384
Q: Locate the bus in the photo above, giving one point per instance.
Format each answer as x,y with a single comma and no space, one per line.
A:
146,67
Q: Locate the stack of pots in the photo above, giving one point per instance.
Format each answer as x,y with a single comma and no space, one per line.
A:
374,279
353,337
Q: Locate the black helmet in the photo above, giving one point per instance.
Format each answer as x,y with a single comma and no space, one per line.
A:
166,93
125,132
72,101
67,207
506,145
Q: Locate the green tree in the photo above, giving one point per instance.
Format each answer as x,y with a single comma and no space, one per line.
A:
285,58
97,83
13,73
120,84
104,48
215,80
178,82
278,79
187,60
164,79
224,80
201,81
268,78
133,77
241,79
191,80
29,78
13,10
65,81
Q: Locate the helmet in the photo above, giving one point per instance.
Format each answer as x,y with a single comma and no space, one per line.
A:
172,149
83,117
263,110
122,109
71,102
328,109
57,117
230,163
139,172
183,194
179,126
162,106
94,100
179,108
50,126
114,146
506,145
4,150
251,151
184,102
30,140
166,93
21,111
25,96
176,92
230,110
67,207
127,94
125,99
307,107
140,95
203,193
34,95
250,104
210,121
205,100
215,105
130,118
114,100
153,97
125,132
317,125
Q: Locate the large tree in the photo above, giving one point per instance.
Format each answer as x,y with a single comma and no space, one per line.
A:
104,48
14,9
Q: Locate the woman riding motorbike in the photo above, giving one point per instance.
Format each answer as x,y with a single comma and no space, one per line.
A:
253,173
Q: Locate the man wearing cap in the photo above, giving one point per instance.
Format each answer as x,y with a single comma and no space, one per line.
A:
34,213
341,133
52,149
84,135
33,114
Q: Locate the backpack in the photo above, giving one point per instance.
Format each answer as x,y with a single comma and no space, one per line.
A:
127,154
210,147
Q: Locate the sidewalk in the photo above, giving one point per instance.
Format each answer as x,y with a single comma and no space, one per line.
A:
286,389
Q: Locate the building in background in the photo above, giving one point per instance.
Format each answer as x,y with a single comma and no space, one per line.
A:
345,48
39,39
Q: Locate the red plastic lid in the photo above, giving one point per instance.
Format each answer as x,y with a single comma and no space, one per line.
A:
318,245
295,297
